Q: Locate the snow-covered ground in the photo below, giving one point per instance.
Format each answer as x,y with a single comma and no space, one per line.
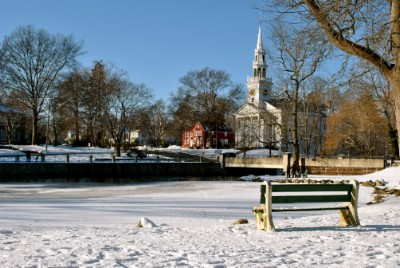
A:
188,224
81,154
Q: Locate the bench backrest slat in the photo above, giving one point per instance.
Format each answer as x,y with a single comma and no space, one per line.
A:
281,188
311,187
311,199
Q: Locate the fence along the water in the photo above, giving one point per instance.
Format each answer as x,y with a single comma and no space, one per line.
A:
84,157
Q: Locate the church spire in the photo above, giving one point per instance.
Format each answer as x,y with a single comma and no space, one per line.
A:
260,47
259,64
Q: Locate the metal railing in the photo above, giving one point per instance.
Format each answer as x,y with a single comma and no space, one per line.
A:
61,157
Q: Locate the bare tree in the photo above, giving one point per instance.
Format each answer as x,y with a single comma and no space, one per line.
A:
90,92
313,116
369,30
159,121
2,72
100,83
182,112
69,92
124,103
299,55
33,59
210,94
101,101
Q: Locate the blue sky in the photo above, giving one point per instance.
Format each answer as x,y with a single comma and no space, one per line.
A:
155,41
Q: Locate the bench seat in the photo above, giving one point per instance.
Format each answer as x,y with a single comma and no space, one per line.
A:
344,195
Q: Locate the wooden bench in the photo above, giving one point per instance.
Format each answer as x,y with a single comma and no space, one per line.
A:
307,193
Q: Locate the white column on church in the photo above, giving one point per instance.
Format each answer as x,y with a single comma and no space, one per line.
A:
251,130
259,131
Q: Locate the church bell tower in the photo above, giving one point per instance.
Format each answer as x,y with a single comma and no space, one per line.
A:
258,85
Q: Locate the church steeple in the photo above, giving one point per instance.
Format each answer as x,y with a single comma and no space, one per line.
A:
259,65
258,85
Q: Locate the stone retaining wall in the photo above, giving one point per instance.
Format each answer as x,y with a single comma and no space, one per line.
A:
321,166
331,166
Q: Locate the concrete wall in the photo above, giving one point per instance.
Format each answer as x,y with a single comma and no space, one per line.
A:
106,170
331,166
270,162
326,166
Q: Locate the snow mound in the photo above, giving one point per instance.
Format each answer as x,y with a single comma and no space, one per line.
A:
390,175
146,223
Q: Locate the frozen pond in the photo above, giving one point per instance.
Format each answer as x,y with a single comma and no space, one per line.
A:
95,225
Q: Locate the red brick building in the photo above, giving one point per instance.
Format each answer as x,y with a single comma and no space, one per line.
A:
198,137
194,137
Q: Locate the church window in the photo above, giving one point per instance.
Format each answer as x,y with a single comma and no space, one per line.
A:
263,58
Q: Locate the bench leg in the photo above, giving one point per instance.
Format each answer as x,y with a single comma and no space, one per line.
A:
347,218
263,219
354,202
258,213
268,223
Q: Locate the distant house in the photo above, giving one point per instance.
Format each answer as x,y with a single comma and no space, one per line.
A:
197,136
132,135
11,122
194,136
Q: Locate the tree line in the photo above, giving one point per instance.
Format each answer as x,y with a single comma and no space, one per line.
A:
40,76
43,81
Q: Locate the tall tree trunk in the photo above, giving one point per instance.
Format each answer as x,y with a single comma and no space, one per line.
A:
77,126
77,131
394,80
92,133
35,121
118,141
55,133
296,143
394,76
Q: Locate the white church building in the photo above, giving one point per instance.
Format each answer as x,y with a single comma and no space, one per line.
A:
258,122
